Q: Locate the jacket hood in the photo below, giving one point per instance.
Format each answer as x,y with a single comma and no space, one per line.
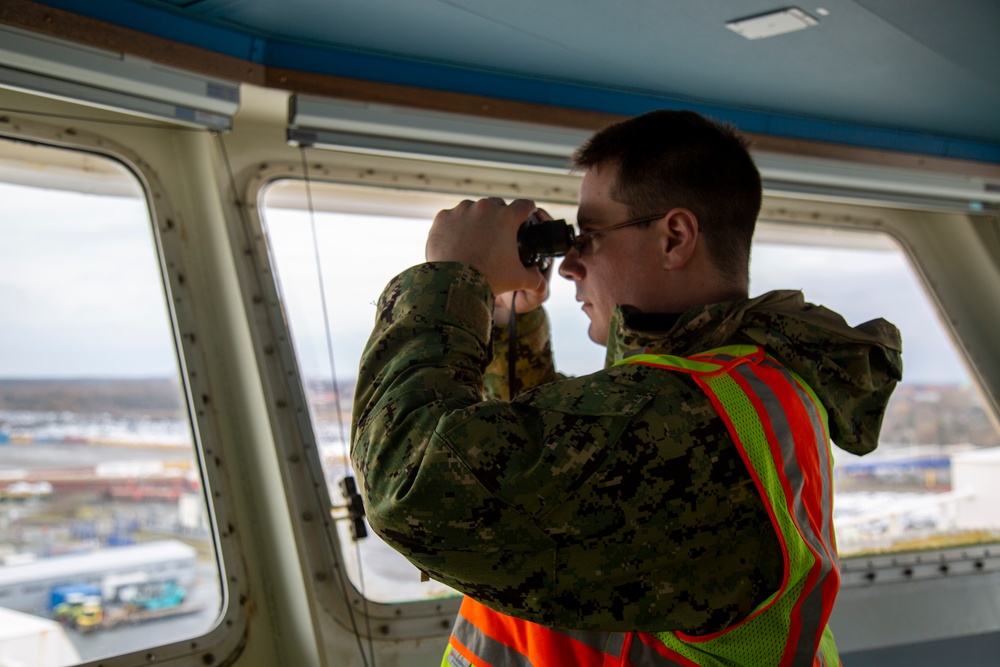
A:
853,370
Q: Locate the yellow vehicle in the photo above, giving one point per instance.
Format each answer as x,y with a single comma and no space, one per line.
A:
81,611
89,614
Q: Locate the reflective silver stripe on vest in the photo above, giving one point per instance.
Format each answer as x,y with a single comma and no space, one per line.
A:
497,653
488,649
811,607
830,562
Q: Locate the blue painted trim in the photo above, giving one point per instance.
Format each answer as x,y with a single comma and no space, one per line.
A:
450,78
167,24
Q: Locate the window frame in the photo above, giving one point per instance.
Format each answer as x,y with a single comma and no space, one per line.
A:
226,636
294,434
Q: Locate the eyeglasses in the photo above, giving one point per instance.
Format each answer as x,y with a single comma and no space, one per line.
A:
582,241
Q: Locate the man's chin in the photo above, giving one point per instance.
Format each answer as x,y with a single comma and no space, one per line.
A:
599,338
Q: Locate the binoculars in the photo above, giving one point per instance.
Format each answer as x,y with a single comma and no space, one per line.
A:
538,241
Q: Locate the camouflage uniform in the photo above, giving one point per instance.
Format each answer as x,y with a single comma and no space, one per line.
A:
614,501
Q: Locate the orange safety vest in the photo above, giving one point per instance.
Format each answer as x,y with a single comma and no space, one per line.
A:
780,429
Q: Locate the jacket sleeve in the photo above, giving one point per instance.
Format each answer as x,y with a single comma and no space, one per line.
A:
531,506
456,483
533,365
421,377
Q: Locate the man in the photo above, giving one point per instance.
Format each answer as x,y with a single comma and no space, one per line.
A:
671,509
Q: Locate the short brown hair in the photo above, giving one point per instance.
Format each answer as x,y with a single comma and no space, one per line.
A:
668,159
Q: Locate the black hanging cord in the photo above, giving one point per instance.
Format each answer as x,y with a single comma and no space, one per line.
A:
512,346
340,567
347,485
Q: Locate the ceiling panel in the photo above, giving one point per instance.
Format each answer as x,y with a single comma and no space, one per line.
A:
922,67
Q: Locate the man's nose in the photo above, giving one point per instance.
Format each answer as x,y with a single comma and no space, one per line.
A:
570,267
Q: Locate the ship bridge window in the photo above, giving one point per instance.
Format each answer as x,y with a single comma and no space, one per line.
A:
917,490
99,483
363,237
931,483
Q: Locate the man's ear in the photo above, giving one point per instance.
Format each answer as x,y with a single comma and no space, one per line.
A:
678,237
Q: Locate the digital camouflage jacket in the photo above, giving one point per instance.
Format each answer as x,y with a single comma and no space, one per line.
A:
615,501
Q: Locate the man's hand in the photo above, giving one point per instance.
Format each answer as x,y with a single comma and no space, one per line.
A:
483,234
527,300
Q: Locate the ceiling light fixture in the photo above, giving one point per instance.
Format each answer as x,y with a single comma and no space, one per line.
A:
772,23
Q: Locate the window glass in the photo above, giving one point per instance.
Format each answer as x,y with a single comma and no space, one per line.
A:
902,496
927,484
103,527
358,252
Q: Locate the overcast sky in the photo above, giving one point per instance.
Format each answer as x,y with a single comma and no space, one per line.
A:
79,288
364,253
81,296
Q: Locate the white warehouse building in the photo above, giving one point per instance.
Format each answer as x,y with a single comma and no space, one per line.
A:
976,476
